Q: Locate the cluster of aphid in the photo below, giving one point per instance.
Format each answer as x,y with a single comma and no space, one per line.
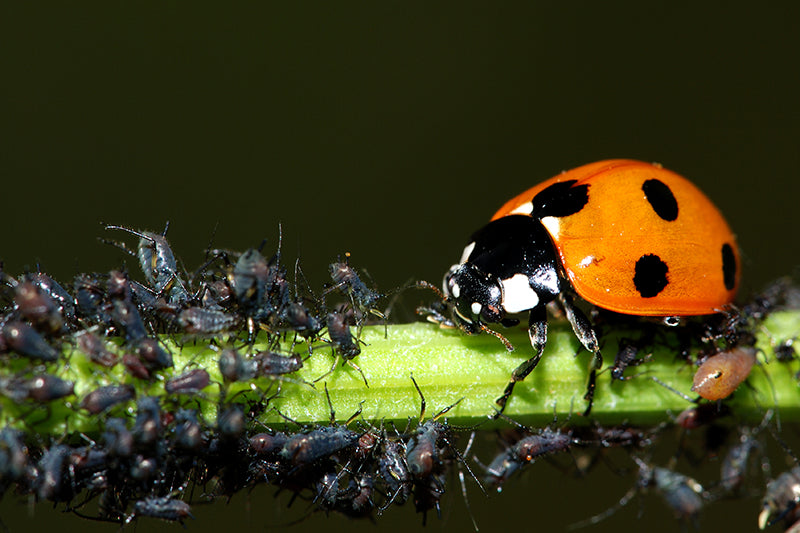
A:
153,453
144,457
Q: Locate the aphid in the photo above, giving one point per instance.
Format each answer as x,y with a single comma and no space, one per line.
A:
327,491
234,367
188,434
152,355
393,470
624,235
249,280
104,398
345,345
721,374
425,451
163,508
90,296
188,383
781,499
359,496
144,468
735,463
353,500
85,462
26,341
304,449
682,494
147,427
135,366
118,438
275,364
268,444
612,437
602,438
199,321
123,311
785,351
158,264
52,468
626,357
259,286
526,450
55,291
94,347
38,308
347,281
13,457
702,414
43,388
302,320
230,421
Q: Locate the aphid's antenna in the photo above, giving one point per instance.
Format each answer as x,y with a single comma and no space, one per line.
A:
464,483
421,398
676,391
135,232
596,519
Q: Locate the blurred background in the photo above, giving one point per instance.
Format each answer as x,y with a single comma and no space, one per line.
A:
391,131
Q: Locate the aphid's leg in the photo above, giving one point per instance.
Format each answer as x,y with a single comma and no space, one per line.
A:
357,368
583,330
537,331
329,372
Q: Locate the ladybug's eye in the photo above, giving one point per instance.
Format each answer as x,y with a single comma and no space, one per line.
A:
491,313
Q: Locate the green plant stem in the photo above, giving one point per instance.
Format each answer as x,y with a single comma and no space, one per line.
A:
450,368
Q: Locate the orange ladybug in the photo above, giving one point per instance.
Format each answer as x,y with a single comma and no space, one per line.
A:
624,235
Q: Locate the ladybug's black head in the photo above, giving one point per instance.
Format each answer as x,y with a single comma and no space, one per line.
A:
475,297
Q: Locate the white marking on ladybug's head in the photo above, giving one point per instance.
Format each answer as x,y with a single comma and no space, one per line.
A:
518,295
524,209
552,225
476,308
467,251
455,290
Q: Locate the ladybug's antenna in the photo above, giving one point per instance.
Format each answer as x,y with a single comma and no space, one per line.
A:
422,284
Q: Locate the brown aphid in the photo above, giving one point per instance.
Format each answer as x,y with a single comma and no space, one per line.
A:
721,374
190,382
38,308
95,348
105,398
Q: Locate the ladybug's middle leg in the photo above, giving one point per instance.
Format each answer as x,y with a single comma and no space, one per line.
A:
537,331
583,330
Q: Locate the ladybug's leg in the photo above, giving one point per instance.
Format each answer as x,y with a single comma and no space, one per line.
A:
537,331
583,330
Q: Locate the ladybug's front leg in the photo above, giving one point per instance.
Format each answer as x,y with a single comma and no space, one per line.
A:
585,333
537,331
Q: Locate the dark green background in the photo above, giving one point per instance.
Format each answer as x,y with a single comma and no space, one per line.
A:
392,131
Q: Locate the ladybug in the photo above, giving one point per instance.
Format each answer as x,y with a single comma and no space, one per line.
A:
626,236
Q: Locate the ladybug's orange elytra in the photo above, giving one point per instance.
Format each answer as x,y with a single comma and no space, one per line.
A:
641,219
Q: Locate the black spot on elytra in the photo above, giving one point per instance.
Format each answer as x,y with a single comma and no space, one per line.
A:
661,199
651,275
560,200
728,266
